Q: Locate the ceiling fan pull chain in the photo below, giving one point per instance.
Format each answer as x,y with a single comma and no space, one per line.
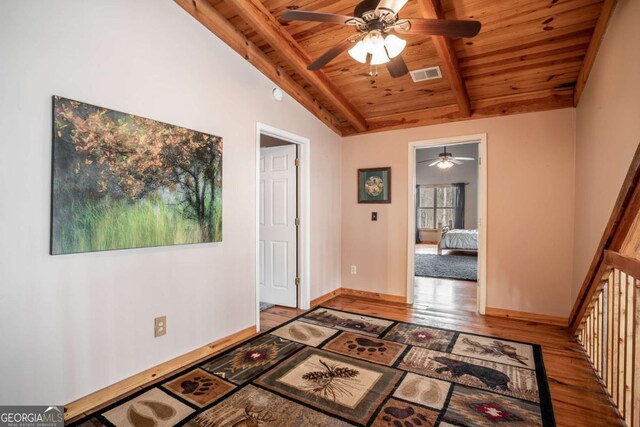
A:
373,71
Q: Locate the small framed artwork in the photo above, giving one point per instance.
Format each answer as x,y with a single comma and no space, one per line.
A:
374,185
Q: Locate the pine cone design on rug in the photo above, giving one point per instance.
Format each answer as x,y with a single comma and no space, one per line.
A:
330,382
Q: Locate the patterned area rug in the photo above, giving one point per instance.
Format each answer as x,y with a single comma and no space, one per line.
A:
334,368
460,267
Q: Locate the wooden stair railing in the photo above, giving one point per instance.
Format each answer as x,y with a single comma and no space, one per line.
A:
609,334
606,316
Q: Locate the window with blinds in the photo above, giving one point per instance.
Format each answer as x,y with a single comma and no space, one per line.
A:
435,204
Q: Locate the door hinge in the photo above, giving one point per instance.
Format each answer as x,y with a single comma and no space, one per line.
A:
298,162
297,281
297,222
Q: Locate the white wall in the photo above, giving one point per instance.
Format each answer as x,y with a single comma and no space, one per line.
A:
70,325
607,132
467,172
530,200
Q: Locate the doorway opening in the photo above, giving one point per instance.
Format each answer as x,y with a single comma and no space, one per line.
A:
447,233
282,220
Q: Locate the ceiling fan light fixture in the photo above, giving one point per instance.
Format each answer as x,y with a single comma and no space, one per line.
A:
373,20
373,42
379,57
445,164
359,52
395,45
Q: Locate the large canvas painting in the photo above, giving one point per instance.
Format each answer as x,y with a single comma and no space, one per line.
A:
121,181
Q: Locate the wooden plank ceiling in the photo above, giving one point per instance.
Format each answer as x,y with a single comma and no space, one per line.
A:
527,57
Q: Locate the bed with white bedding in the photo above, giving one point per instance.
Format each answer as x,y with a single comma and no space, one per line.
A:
454,239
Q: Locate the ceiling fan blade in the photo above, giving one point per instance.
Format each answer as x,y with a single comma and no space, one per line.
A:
435,163
464,158
305,15
445,27
455,162
429,160
329,55
397,67
392,6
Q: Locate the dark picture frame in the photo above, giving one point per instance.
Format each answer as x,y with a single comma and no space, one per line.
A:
374,185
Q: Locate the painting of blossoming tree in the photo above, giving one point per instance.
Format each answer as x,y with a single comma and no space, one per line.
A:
121,181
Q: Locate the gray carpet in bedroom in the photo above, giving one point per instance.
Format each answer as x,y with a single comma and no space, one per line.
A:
459,267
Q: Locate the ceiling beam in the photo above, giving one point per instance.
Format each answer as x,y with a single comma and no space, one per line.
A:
491,107
225,30
592,50
268,27
431,9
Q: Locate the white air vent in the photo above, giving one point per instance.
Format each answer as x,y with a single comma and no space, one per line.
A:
426,74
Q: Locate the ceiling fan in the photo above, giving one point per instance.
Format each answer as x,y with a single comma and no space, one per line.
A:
446,160
374,20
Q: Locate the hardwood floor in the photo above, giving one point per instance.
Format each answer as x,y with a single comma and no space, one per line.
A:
446,295
578,398
577,395
459,296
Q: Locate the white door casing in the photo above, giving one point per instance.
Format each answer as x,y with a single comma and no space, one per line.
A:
277,219
481,139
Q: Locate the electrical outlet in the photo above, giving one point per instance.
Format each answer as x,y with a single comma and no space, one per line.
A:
160,327
354,269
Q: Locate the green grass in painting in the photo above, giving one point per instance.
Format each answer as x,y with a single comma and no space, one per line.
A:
113,224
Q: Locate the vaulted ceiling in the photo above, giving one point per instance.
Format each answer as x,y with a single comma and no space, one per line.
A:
531,55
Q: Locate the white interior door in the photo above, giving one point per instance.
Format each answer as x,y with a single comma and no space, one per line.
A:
278,240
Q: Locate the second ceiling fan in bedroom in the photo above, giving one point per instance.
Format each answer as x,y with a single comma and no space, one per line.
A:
446,160
374,44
